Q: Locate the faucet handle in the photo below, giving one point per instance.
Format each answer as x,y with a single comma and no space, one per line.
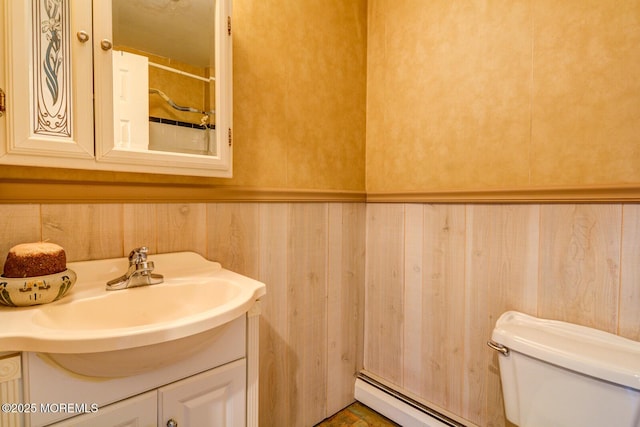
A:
138,255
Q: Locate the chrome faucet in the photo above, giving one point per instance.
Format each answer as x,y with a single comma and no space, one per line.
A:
138,274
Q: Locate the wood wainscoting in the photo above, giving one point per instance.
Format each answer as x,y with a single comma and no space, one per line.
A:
436,278
439,276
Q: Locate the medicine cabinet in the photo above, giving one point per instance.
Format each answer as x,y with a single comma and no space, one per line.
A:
121,85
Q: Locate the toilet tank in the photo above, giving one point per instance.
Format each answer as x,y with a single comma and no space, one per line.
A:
557,374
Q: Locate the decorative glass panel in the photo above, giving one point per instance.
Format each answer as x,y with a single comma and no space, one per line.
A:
52,68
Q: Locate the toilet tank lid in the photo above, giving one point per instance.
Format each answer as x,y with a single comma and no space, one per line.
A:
589,351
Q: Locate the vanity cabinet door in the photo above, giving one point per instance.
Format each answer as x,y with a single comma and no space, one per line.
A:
213,398
138,411
47,79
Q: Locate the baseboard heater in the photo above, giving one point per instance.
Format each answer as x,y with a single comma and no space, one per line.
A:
397,407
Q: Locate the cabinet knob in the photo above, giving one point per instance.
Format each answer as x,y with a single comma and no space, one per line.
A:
106,44
172,423
82,36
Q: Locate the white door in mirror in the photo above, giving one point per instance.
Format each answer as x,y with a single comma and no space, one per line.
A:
130,106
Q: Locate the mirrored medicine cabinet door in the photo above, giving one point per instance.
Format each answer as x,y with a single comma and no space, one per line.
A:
163,78
125,85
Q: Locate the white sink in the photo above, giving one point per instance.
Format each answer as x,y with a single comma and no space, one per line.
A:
142,306
96,332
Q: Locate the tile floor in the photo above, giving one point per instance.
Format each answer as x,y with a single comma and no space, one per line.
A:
357,415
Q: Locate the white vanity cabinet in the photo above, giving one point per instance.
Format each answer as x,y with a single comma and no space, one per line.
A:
217,386
59,106
212,398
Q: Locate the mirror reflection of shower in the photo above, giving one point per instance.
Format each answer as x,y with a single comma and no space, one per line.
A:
196,136
166,58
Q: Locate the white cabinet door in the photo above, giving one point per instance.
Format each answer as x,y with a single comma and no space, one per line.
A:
214,398
48,83
138,411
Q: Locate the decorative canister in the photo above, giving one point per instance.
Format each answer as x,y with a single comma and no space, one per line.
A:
25,291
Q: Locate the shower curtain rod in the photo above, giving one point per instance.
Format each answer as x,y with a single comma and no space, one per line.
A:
182,73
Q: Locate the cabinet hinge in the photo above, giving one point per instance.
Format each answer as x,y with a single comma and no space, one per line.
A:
3,108
228,25
230,137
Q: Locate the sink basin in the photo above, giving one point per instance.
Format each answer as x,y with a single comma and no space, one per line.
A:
119,333
141,306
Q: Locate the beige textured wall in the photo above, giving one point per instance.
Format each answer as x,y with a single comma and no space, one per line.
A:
502,94
299,93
